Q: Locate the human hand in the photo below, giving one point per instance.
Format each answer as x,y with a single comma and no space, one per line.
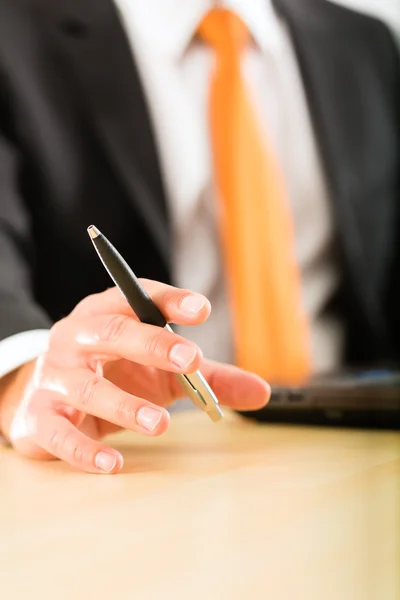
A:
104,370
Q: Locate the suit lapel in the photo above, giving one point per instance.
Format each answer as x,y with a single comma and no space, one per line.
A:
335,99
99,57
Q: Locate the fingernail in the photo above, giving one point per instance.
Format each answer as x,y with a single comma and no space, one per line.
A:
191,305
105,461
182,355
148,417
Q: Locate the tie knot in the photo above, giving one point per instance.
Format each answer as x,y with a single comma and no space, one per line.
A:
222,28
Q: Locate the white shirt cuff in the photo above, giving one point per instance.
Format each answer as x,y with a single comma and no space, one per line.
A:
21,348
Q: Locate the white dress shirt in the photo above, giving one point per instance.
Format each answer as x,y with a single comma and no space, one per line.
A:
175,69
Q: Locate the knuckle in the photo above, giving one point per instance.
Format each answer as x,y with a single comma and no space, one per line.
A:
81,454
63,444
156,344
57,442
171,296
87,392
113,328
125,412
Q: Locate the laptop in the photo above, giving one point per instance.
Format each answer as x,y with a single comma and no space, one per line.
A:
365,398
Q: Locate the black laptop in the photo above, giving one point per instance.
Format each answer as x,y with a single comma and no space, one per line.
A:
365,398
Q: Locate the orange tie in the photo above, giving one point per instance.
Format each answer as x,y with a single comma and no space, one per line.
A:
270,327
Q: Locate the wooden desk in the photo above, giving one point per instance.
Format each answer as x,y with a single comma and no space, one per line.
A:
231,511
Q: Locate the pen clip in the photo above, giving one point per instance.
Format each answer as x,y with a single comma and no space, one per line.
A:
201,394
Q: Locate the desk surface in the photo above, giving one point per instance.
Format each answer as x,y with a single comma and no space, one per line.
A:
233,511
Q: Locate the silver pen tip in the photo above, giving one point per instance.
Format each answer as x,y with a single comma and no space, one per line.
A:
93,232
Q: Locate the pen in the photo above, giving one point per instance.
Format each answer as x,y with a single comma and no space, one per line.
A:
193,384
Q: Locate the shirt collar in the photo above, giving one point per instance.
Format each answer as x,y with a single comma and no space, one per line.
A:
262,21
169,25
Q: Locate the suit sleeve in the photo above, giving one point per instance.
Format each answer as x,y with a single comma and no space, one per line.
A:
18,309
393,292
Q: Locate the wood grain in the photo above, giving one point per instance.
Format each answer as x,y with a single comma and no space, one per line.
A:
227,512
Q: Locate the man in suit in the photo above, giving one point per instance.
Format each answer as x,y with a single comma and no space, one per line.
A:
105,108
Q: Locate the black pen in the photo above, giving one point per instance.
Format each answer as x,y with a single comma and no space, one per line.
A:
193,384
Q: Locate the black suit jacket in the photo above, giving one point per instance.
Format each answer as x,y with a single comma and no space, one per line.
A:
77,146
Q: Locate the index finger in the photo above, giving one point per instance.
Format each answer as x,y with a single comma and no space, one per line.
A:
178,305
